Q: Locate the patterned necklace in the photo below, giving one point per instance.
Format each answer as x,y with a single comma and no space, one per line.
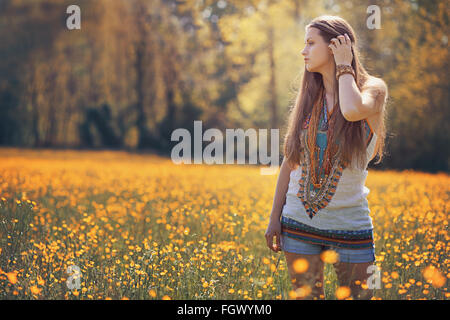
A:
316,177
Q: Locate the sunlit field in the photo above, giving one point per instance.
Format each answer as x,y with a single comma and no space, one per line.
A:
141,227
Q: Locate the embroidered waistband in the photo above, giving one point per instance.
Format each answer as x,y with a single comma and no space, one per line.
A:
351,239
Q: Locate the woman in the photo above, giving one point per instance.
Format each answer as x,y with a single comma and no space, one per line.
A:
320,200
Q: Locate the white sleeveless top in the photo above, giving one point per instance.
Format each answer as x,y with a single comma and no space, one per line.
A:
341,204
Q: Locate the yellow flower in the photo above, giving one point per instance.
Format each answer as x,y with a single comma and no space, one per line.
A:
41,281
329,256
343,292
152,293
300,265
166,297
433,275
12,277
292,294
303,291
35,290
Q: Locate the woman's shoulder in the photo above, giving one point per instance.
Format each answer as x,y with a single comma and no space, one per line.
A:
378,89
376,85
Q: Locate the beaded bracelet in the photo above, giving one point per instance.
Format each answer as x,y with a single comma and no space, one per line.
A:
344,68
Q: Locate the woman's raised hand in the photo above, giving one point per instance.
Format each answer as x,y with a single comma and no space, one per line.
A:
342,49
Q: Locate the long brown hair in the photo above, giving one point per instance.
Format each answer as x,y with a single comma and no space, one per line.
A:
349,134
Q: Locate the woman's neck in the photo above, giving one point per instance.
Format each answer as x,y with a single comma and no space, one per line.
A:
328,78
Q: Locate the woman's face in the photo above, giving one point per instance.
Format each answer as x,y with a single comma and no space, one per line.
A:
317,54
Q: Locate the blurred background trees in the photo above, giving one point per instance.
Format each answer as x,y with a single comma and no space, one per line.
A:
139,69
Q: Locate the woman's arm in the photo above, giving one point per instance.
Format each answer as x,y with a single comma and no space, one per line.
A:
280,191
357,105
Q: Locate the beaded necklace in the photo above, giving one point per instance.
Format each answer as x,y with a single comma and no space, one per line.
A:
316,178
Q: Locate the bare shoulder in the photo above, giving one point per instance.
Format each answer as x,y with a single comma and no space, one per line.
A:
378,88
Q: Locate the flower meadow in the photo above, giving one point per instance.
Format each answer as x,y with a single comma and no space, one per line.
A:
138,226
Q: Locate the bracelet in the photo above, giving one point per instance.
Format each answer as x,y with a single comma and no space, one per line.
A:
344,68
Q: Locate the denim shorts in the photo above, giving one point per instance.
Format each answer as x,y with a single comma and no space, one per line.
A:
345,255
